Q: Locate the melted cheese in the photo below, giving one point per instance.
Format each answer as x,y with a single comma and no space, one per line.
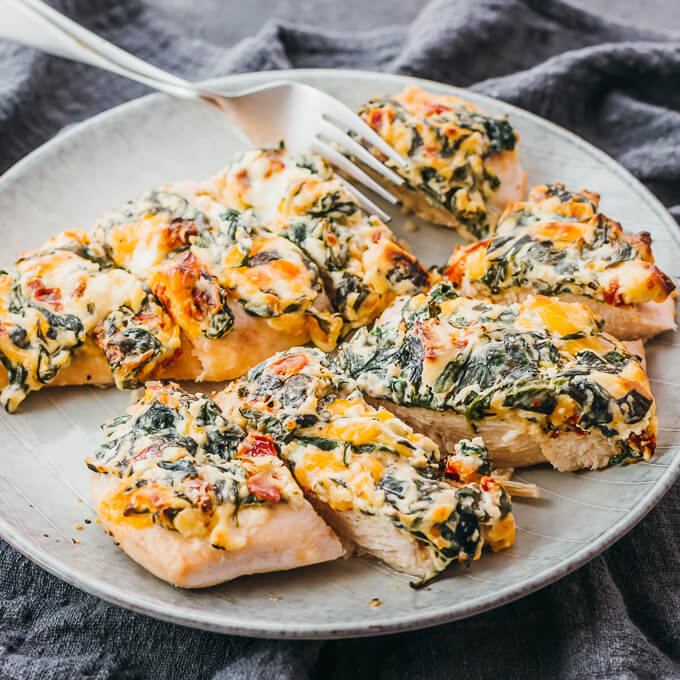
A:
542,360
557,243
445,142
353,457
195,252
192,296
562,319
300,199
181,467
64,294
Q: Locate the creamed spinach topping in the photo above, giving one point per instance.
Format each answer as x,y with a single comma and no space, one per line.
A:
68,294
184,467
301,200
542,360
469,458
197,255
136,341
446,142
356,458
555,243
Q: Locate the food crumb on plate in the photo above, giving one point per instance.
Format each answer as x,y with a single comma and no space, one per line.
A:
375,602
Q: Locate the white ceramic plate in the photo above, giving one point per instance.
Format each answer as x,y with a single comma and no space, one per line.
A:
103,162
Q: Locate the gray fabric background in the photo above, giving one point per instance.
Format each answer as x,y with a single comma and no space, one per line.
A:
619,87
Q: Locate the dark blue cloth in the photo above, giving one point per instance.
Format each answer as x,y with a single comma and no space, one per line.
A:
617,86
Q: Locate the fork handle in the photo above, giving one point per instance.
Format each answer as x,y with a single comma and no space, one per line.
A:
33,23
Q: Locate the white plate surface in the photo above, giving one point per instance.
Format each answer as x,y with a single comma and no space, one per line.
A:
105,161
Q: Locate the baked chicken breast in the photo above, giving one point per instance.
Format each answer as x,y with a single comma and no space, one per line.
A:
384,488
299,198
225,279
68,317
462,168
197,501
201,281
538,380
557,243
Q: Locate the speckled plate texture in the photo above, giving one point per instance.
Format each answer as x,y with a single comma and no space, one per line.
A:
44,494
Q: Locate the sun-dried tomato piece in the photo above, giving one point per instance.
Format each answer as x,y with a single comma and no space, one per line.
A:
47,296
289,364
256,444
178,233
436,109
488,483
263,487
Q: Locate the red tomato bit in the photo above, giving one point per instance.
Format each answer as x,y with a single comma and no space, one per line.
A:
292,363
256,444
263,487
48,296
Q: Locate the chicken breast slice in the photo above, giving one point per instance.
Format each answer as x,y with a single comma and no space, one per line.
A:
277,538
384,488
625,322
557,243
537,379
512,443
461,164
195,501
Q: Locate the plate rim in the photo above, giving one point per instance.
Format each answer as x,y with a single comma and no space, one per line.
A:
225,623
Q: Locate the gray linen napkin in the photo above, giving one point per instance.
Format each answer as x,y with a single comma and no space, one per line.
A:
619,87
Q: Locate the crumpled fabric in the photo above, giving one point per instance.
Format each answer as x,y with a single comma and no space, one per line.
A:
618,87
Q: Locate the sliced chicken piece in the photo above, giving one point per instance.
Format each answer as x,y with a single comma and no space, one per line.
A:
462,166
512,442
276,537
370,535
88,367
271,253
625,322
250,341
193,499
556,243
299,197
538,380
225,278
513,180
381,486
637,348
633,322
65,301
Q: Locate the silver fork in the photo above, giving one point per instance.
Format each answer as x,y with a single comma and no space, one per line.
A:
305,118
